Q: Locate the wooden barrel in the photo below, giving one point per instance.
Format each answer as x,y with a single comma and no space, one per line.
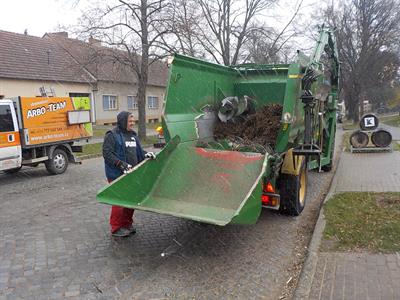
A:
359,139
381,138
369,122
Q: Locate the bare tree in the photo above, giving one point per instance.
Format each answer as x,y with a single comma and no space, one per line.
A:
132,29
184,19
367,34
230,31
215,28
260,47
267,45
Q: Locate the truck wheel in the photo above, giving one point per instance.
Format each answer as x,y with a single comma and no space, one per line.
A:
58,162
293,190
12,171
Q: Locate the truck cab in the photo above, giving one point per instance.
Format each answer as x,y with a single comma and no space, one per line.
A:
36,130
10,142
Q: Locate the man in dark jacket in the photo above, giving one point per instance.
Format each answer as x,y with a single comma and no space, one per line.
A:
121,152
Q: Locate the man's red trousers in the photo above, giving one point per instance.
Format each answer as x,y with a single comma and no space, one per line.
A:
120,217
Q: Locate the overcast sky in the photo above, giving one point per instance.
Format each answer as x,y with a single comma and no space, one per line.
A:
38,16
41,16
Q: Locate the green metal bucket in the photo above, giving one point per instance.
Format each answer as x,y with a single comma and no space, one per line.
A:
206,185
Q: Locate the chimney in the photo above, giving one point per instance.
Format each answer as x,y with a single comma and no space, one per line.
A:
94,42
61,33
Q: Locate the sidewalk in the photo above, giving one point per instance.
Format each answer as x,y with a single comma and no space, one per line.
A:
334,275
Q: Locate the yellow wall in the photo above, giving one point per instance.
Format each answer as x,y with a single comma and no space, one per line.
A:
122,91
30,88
17,87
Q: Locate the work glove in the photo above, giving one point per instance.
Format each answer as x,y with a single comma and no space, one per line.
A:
150,155
124,167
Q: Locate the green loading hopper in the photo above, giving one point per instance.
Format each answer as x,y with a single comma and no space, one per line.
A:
206,185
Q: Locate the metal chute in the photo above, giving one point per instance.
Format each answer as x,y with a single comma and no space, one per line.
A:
232,107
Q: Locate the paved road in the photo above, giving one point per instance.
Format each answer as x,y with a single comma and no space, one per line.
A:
55,243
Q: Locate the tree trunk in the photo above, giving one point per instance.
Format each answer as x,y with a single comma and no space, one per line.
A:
142,108
353,104
144,65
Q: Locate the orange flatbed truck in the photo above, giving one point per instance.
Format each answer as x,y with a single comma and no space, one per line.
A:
37,130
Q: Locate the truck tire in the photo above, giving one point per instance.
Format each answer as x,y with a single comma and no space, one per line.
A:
58,162
293,190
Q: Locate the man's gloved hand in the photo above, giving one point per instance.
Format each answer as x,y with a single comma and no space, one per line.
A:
124,167
150,155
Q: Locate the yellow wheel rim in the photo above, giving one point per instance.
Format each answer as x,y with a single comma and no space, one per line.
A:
303,186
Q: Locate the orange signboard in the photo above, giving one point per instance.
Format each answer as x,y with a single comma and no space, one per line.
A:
45,119
9,139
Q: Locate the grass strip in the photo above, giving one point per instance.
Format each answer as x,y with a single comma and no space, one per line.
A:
97,148
391,120
363,221
99,132
346,141
349,125
91,149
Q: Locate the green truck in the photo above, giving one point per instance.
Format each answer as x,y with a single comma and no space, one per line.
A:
213,181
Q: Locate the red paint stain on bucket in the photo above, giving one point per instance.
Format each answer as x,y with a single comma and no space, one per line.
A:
229,156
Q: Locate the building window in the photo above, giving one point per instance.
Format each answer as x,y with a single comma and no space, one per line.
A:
152,102
132,102
110,102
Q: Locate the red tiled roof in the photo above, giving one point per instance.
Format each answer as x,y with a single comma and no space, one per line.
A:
105,64
55,57
29,57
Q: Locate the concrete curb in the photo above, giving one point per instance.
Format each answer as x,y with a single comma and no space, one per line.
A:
307,273
84,157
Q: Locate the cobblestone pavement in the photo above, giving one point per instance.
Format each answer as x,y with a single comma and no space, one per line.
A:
55,244
361,275
374,172
357,276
